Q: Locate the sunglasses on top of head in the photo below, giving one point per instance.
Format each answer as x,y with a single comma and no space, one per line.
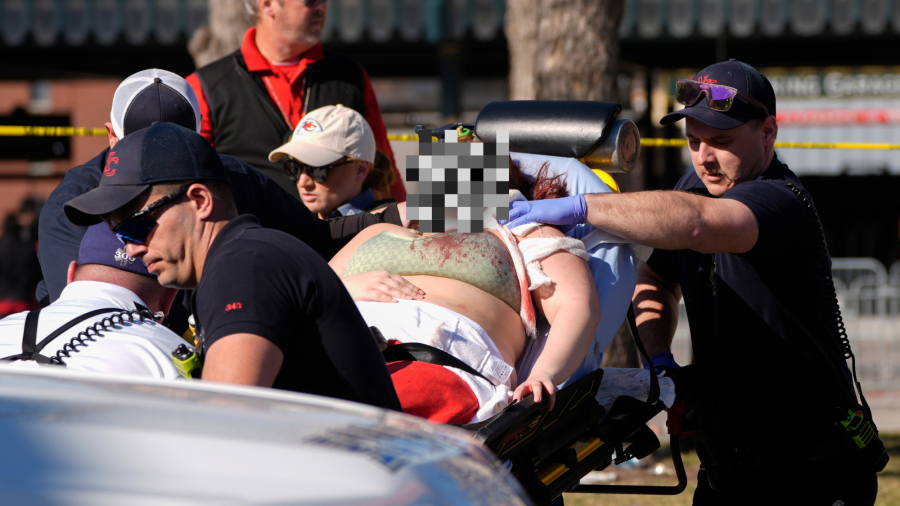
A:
718,97
294,169
136,228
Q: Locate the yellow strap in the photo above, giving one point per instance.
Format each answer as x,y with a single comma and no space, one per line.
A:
550,472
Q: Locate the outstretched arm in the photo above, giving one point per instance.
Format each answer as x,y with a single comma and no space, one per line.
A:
571,306
661,219
675,220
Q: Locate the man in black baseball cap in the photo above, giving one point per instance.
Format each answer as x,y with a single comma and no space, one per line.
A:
740,242
269,311
147,158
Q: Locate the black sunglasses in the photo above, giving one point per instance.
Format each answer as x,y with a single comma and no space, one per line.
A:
136,228
294,169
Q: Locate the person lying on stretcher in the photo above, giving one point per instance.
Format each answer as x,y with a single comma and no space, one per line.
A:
468,295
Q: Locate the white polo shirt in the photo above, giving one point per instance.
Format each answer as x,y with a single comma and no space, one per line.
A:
139,348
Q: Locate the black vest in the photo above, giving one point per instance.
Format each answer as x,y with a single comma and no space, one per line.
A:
247,123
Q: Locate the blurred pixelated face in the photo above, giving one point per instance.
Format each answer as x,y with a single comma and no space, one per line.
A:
724,158
458,182
342,185
299,24
166,251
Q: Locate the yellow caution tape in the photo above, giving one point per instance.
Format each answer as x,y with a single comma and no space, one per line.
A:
677,143
403,137
663,143
68,131
48,131
837,145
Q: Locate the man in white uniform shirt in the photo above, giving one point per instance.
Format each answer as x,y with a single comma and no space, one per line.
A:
103,278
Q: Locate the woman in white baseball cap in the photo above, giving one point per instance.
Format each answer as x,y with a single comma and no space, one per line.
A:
332,157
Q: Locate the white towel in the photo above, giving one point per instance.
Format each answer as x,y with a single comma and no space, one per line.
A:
536,249
525,228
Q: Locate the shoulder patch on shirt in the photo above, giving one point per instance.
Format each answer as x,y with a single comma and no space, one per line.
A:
308,126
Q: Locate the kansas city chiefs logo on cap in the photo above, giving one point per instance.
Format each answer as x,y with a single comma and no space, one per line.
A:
308,126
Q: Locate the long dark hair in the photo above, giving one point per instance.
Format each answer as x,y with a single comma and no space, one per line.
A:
544,185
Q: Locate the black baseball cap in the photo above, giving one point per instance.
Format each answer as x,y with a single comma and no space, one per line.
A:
743,78
162,153
154,96
158,103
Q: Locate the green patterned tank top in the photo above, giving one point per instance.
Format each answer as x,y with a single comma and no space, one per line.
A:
480,260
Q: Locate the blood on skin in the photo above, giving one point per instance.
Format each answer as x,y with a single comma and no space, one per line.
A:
456,247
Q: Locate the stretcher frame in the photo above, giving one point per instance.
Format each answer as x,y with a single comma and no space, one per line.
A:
551,450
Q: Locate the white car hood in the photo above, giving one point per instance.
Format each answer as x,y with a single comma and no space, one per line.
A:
70,438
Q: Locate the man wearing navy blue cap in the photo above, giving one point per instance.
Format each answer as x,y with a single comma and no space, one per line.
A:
102,282
269,311
739,240
158,96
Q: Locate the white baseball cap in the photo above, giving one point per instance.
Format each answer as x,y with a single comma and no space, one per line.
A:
153,96
328,134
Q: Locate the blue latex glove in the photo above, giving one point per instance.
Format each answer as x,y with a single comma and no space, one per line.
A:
664,359
564,213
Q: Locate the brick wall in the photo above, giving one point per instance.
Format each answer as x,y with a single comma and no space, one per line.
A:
86,101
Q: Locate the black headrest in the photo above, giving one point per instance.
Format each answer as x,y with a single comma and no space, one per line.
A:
548,127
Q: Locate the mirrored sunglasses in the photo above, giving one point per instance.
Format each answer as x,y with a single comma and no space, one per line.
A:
137,228
718,97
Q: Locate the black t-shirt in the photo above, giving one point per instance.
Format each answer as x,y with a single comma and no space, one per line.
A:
757,384
265,282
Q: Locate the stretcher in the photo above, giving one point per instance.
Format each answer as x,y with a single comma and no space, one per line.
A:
551,450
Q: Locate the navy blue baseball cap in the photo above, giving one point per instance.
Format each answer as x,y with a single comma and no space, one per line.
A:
743,78
101,246
162,153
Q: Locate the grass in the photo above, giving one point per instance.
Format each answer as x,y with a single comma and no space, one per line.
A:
888,482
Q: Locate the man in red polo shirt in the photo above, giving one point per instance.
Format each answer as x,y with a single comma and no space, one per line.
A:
252,99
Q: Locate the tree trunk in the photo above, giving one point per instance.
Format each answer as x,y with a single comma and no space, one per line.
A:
522,39
568,50
563,49
228,20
